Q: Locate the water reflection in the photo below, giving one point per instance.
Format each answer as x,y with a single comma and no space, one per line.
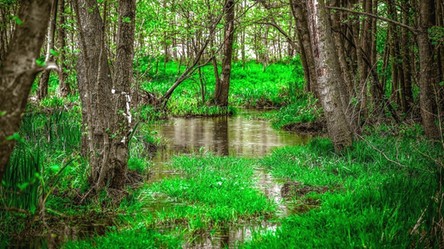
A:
226,136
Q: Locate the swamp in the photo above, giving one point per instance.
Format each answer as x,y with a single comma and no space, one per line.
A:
221,124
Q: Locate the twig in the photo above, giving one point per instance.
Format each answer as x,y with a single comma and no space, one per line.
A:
381,152
16,210
412,29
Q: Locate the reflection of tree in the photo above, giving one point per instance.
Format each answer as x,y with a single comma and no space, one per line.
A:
221,136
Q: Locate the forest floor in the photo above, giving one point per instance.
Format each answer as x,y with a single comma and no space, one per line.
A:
382,192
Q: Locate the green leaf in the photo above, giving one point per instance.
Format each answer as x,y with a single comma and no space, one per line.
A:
16,136
22,186
2,113
126,19
40,62
17,20
53,52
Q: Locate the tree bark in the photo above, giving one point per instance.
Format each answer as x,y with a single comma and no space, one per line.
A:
18,70
64,87
105,106
328,74
44,79
222,89
300,14
122,100
407,95
426,67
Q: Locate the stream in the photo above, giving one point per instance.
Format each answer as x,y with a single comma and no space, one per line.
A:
238,136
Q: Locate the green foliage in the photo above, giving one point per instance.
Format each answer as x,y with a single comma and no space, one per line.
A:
138,238
302,109
436,34
251,86
138,164
210,192
22,179
372,203
43,159
223,186
148,114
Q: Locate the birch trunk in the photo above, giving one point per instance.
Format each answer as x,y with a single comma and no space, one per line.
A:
328,74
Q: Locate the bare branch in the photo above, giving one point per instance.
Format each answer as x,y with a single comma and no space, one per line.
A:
412,29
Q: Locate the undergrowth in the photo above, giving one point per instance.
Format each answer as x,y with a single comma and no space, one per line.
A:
209,193
250,87
383,193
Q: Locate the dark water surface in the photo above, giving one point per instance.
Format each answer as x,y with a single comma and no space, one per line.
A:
239,136
225,136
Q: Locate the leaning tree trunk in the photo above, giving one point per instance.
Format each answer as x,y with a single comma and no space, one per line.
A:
221,93
105,107
328,74
426,62
18,70
44,79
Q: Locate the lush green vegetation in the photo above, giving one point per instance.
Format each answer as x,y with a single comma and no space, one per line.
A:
252,86
380,193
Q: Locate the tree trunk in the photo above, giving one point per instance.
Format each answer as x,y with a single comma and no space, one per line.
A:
407,95
426,67
222,89
122,86
44,79
328,74
300,14
105,106
64,87
18,70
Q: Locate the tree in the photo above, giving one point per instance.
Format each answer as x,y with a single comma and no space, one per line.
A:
44,79
18,70
426,69
105,103
328,74
64,87
222,89
299,11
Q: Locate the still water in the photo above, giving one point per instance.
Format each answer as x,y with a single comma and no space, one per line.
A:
225,136
239,136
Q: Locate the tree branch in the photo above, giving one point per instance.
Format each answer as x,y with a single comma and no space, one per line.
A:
410,28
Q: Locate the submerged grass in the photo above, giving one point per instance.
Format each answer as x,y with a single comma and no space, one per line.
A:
209,193
379,194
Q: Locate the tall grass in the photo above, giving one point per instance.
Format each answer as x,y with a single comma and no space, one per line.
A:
250,87
44,146
382,193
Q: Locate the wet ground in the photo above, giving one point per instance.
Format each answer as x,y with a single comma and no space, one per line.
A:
238,136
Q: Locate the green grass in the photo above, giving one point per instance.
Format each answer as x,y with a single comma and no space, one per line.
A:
302,109
209,193
135,238
373,202
250,87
